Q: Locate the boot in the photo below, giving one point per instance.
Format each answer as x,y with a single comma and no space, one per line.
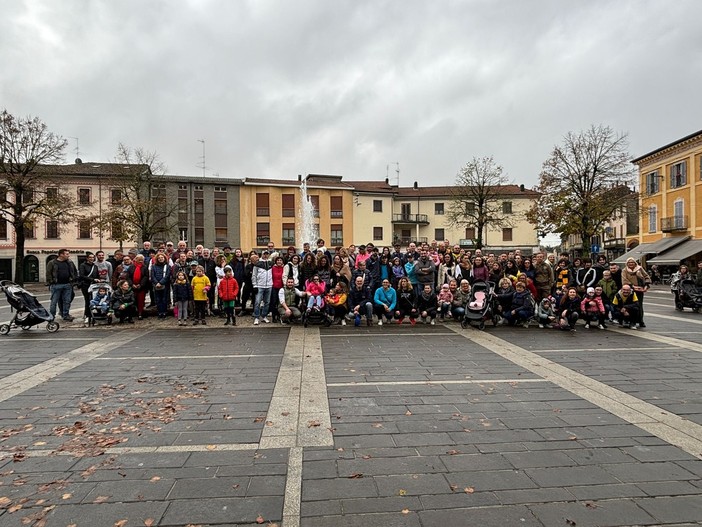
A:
400,320
233,321
228,320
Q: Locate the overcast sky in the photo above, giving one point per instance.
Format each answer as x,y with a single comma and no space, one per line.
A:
278,88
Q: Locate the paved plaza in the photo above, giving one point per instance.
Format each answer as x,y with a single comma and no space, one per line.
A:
392,426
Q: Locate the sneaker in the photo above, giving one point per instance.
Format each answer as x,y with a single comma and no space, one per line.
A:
265,320
526,324
635,326
380,322
234,321
227,322
432,322
343,321
626,325
600,326
255,321
587,326
541,326
413,321
68,318
357,320
641,325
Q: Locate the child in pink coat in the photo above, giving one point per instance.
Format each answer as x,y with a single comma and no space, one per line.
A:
593,309
315,291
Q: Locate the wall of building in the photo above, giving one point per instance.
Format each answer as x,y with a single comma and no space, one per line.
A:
365,218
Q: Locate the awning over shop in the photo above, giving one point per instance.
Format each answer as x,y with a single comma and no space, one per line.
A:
658,247
678,253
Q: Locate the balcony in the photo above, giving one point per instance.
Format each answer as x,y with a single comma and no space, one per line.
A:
406,240
262,240
288,213
263,211
337,214
675,223
287,241
613,243
466,243
421,219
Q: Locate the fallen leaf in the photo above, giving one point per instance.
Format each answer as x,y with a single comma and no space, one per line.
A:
260,519
365,457
573,438
4,501
101,499
14,508
405,511
356,475
72,525
155,479
408,412
377,425
236,486
259,419
453,487
148,522
453,452
285,414
590,505
120,523
402,492
67,496
469,490
40,443
313,424
211,447
570,522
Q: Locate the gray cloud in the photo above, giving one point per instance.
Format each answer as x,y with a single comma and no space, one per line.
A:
346,87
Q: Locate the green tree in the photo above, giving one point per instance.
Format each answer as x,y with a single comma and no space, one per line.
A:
140,209
476,200
583,183
28,189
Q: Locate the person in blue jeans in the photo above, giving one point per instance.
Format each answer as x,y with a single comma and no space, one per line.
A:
61,273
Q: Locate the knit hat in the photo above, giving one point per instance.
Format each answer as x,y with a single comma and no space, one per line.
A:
590,290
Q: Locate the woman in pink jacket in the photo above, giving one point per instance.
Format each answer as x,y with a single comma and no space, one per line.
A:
315,291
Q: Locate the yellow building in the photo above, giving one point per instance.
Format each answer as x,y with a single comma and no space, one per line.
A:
271,211
671,186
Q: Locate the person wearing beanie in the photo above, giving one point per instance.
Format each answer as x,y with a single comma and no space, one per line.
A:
593,309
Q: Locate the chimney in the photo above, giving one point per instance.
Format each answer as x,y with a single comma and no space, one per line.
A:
299,178
416,187
521,187
386,181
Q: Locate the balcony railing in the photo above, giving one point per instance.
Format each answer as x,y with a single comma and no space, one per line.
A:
337,214
263,211
466,243
675,223
335,242
288,213
262,240
614,242
406,240
288,241
410,218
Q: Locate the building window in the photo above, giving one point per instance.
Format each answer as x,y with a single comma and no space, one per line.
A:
182,209
3,195
263,233
652,182
337,208
29,230
199,216
84,196
506,207
377,233
84,231
507,234
3,229
116,196
439,210
679,214
678,174
288,234
28,196
220,212
52,230
220,235
337,235
439,234
116,231
652,218
289,206
470,233
314,200
377,205
470,208
263,204
52,193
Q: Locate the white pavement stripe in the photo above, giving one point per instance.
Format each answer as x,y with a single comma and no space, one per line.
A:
620,350
298,414
35,375
425,383
655,420
168,449
647,314
671,341
293,489
29,338
376,335
189,357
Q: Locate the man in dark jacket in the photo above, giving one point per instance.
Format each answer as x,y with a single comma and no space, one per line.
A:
62,274
361,301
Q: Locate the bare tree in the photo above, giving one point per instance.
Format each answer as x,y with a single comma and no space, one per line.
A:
476,199
583,183
28,189
142,210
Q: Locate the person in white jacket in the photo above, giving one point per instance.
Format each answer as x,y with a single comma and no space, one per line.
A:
262,280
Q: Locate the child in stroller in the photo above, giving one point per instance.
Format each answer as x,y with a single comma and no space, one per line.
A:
100,303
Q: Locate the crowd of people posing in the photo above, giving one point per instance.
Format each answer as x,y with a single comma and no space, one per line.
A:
353,285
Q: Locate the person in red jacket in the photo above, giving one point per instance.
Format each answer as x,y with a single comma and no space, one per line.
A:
228,291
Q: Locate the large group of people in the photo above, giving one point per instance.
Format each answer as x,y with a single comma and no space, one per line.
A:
350,285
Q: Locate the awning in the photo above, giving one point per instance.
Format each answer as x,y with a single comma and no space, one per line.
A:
658,247
678,253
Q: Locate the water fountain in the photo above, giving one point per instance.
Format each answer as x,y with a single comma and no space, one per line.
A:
307,230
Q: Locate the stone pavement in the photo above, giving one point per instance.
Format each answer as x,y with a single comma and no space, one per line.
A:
153,424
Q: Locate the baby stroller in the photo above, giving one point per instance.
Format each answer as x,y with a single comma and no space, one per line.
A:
28,311
688,295
316,316
100,314
481,306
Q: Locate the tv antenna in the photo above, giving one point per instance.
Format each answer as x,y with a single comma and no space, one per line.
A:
397,171
202,163
77,148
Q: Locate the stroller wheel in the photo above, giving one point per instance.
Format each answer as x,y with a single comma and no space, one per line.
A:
695,309
4,329
481,326
25,328
52,327
464,323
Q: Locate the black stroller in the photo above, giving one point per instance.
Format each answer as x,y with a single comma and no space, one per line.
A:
98,314
481,306
688,295
28,311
